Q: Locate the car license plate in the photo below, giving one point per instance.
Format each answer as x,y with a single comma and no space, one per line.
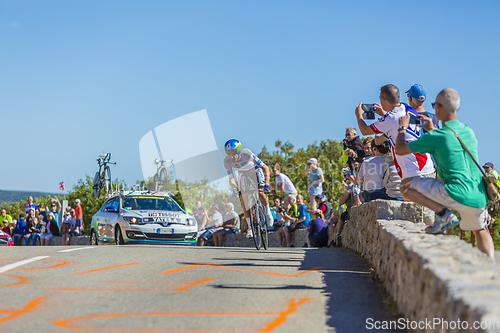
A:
165,231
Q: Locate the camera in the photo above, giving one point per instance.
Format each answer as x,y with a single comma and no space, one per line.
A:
280,209
369,111
414,120
360,156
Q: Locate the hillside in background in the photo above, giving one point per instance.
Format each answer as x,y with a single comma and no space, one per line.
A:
11,196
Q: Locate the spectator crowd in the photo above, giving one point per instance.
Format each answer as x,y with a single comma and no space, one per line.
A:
39,223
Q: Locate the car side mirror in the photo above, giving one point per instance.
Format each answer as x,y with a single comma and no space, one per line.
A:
111,209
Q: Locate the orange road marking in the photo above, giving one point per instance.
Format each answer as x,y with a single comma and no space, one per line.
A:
28,308
189,285
282,317
22,280
178,269
61,262
123,282
195,284
241,270
104,268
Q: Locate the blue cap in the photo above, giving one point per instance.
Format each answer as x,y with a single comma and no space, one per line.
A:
321,196
418,92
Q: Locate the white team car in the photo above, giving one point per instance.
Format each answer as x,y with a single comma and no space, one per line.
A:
142,217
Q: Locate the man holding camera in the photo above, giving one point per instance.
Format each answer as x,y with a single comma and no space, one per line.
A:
407,166
461,187
352,146
417,95
53,209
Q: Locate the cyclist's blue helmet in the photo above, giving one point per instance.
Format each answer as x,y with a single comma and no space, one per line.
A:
232,147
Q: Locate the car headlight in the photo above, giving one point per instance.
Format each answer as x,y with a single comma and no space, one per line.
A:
133,220
190,221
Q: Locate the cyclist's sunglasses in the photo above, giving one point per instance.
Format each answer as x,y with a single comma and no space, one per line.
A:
232,152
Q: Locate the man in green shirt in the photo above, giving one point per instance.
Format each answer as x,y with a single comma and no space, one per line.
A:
4,216
461,187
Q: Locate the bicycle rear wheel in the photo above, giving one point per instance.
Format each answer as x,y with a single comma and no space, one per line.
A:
107,180
97,186
263,226
255,226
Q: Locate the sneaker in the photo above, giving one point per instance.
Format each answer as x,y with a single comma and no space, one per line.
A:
249,234
338,240
447,221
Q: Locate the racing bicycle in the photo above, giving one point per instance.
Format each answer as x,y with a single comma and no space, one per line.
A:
102,178
258,223
160,178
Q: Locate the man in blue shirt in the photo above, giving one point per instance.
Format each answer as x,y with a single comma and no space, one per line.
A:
304,217
298,216
20,230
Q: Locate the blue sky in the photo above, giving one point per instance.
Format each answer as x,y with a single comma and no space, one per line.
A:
81,77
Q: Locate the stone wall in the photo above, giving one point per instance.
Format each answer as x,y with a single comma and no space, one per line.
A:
429,276
81,240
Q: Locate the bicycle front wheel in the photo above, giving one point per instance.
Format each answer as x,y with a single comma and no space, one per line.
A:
162,179
263,226
255,226
97,186
107,180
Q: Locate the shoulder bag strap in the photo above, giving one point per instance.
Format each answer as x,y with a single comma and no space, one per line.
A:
467,150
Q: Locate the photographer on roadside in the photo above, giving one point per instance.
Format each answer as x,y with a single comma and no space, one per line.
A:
410,165
55,208
352,145
417,95
460,186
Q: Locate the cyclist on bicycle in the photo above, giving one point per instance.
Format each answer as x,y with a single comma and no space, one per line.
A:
247,163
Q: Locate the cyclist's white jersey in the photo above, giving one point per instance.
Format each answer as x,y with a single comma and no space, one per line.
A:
411,165
248,161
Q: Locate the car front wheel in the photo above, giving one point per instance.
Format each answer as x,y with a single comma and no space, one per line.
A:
119,236
93,238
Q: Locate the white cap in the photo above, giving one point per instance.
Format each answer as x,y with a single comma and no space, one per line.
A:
312,160
77,200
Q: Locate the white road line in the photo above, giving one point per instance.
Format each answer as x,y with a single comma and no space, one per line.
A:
80,248
8,267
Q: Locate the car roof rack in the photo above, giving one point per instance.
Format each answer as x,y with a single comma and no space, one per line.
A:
136,190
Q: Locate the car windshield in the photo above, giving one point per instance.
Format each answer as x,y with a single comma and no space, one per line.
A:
151,203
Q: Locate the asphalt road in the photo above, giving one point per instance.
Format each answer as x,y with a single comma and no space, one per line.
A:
186,289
